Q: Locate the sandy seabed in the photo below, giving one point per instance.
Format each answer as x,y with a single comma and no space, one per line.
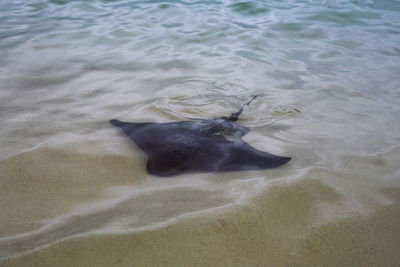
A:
279,227
348,216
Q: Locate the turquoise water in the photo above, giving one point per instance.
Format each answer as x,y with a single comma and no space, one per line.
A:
329,71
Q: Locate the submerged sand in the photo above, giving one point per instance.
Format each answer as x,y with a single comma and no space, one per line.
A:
280,227
39,185
347,214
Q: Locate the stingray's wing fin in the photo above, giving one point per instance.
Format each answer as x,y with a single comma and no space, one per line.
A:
245,157
129,128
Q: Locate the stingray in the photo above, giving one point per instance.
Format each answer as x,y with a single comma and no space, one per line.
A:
198,145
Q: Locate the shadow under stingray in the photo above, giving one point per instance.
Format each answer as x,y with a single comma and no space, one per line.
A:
200,145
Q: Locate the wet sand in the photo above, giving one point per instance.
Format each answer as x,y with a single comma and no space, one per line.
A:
348,215
280,227
41,184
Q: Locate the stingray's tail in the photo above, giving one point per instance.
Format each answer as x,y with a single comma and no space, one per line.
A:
235,116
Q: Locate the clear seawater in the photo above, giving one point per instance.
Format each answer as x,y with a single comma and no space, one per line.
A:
329,71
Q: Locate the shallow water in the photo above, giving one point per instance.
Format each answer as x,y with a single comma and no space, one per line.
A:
329,72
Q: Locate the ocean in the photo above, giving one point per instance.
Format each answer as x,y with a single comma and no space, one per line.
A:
329,72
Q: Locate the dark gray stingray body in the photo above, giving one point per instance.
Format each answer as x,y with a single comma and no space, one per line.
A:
197,146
